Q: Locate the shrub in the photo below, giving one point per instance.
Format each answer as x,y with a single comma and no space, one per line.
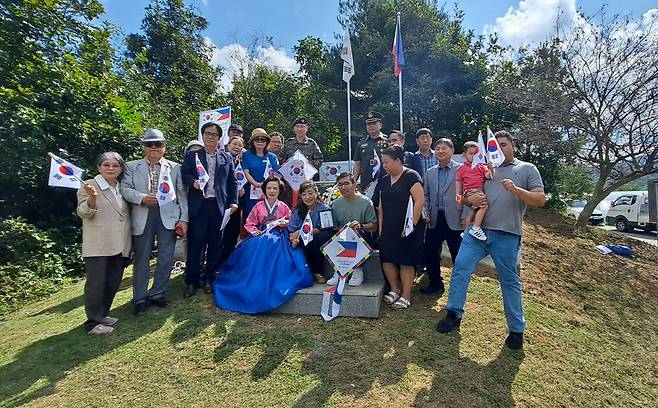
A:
34,263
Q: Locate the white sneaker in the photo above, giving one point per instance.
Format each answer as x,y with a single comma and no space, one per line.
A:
357,277
334,279
478,233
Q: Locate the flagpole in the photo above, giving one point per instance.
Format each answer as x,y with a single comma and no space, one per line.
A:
400,92
349,130
400,83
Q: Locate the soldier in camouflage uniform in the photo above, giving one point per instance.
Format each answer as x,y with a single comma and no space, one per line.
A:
304,144
364,152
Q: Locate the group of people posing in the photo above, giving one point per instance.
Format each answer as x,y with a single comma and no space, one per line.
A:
259,259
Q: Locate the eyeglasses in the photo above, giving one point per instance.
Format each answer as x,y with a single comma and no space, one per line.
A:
260,140
210,134
154,144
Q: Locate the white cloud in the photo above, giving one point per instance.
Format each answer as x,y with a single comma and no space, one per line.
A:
234,57
534,20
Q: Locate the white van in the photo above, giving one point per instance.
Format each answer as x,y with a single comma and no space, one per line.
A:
631,210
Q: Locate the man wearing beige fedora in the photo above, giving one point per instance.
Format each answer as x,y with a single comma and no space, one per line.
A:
151,221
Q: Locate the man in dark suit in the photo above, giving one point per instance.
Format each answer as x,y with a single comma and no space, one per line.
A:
206,207
445,216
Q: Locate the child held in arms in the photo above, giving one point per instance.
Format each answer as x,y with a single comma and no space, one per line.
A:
470,180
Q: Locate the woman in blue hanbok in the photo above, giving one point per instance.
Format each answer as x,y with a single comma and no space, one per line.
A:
264,271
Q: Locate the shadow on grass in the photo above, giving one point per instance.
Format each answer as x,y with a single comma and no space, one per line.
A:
77,301
353,356
37,368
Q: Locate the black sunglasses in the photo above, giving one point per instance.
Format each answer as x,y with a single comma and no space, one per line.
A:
260,140
153,144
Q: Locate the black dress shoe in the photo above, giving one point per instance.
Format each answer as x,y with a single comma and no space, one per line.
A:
432,289
514,341
207,288
140,308
159,302
190,290
448,323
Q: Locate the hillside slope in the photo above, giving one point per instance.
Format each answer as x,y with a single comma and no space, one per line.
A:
591,340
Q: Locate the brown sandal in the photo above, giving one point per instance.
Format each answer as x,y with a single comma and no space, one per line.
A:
319,278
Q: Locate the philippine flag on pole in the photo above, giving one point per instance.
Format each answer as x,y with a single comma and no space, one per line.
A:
494,154
306,232
201,173
166,192
398,52
63,173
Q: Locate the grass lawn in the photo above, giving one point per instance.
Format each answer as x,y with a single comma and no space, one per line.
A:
591,340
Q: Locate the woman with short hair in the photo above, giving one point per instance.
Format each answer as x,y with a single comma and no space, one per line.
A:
105,240
235,147
309,201
399,253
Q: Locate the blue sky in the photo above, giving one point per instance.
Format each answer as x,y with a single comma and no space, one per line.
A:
233,23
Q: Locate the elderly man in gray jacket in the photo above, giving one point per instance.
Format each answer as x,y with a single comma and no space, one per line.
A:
445,216
151,221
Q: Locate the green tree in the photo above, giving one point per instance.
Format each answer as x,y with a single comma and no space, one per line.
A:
57,91
442,80
524,94
169,72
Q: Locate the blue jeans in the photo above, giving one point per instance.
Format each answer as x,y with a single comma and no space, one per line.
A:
504,250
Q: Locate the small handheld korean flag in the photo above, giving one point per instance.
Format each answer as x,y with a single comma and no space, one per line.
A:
479,156
375,163
201,173
306,232
166,192
63,173
494,154
409,219
269,171
239,176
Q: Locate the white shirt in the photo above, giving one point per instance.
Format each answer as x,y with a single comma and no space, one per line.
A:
103,184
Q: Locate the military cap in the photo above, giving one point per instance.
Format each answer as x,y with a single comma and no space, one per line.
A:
300,121
372,117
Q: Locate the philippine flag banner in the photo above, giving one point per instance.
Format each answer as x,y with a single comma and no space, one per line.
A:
201,173
397,51
494,154
375,163
409,219
306,231
166,192
63,173
222,117
479,156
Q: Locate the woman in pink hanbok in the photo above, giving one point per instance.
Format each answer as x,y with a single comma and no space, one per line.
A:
264,271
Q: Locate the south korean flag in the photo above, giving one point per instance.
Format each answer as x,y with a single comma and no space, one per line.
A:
306,231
